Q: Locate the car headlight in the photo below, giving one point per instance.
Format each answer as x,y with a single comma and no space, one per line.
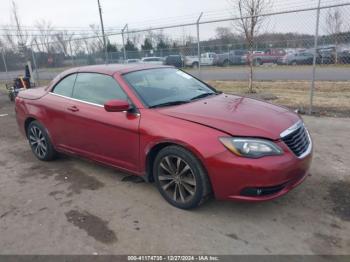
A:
251,147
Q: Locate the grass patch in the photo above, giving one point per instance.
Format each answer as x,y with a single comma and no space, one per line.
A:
330,98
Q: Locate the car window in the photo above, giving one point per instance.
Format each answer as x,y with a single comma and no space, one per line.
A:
97,88
155,86
65,86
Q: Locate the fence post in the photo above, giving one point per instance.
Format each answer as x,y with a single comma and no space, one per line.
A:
199,46
312,88
71,52
36,68
124,51
5,64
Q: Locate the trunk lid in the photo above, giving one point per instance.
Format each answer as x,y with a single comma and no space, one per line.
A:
33,93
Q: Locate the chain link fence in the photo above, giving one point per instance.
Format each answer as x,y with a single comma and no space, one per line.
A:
291,44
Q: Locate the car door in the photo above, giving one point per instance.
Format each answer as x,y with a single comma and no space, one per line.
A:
211,58
58,102
109,137
205,59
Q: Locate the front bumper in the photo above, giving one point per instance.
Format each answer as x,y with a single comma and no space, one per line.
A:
236,178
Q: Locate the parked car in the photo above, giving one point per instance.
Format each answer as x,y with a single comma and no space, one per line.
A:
207,59
303,58
235,57
153,60
327,55
133,61
174,60
169,128
269,56
344,57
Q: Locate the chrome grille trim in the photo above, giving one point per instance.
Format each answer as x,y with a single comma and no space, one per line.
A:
297,137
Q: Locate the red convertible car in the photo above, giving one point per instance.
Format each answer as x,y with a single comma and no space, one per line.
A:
170,128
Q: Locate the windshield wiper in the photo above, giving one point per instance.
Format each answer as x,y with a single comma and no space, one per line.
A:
202,96
171,103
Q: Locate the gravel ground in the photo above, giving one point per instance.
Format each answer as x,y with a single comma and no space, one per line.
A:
72,206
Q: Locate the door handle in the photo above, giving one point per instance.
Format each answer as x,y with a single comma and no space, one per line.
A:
73,109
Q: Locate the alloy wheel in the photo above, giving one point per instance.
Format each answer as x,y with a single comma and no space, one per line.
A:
177,179
38,142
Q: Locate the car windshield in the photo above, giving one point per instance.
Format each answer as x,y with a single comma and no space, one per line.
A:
167,86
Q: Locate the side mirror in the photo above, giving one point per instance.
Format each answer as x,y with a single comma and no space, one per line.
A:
117,105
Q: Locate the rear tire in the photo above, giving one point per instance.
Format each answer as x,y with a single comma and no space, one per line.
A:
40,142
180,178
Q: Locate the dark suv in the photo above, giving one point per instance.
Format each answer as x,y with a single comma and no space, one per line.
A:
174,60
234,57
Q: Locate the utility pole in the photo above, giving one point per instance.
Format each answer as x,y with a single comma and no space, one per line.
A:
199,46
103,32
124,51
312,88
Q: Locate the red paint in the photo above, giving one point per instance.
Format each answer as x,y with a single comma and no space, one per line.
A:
116,106
124,139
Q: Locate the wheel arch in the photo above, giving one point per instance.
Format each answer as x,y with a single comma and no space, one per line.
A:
27,122
154,149
31,119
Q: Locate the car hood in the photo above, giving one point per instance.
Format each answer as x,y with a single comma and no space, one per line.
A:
237,116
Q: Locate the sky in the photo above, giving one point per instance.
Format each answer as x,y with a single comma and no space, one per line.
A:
79,14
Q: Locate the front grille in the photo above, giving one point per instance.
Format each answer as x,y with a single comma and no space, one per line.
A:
298,141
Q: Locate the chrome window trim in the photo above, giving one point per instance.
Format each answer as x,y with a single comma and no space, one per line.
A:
291,129
73,99
78,100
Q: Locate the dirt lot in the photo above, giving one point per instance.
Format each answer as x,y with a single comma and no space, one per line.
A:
72,206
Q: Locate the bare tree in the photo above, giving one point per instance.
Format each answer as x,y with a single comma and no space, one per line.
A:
63,39
334,26
45,36
21,35
97,44
249,24
77,47
225,35
9,39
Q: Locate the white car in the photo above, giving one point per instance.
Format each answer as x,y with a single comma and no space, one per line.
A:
153,60
207,59
133,61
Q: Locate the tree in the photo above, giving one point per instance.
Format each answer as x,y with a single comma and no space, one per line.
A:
129,46
249,23
111,48
99,43
63,39
147,45
334,26
45,36
225,35
22,35
162,45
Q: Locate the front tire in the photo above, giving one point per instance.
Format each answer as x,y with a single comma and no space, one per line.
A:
180,178
40,142
195,65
